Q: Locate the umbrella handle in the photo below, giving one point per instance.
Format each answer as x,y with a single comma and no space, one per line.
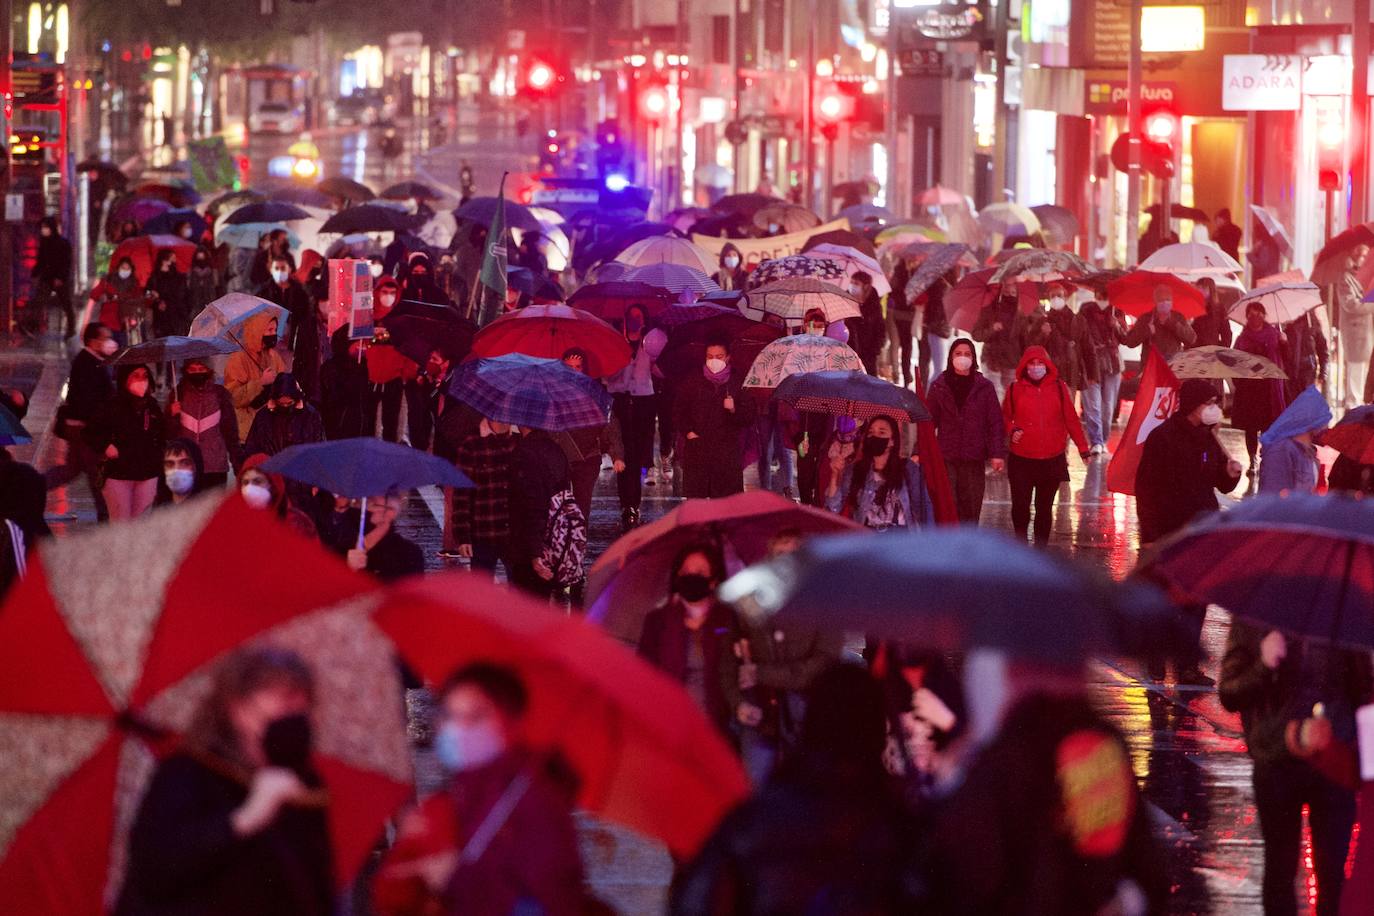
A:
362,521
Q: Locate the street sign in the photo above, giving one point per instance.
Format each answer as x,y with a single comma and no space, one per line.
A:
1111,96
14,208
1261,82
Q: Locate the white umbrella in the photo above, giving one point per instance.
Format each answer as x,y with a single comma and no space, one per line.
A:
1283,302
852,261
1275,229
664,249
672,277
1192,259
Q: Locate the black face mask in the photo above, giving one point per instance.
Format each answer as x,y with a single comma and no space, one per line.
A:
197,378
875,446
286,743
692,587
269,341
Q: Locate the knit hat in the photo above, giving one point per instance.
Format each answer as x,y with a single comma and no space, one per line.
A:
1193,392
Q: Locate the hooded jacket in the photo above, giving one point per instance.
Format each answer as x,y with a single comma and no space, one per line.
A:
295,519
132,425
1044,411
275,428
974,432
243,371
344,390
208,419
1286,463
384,362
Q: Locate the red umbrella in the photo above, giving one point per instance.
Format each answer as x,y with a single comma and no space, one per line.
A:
631,577
1134,294
644,754
549,331
975,290
608,301
143,249
107,647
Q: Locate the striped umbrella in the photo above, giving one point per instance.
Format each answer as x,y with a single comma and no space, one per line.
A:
665,249
528,391
672,277
790,300
850,394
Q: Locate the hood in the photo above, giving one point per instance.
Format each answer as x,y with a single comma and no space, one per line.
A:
278,481
949,357
1308,411
339,342
731,249
285,386
123,372
380,311
1040,353
309,259
254,329
183,444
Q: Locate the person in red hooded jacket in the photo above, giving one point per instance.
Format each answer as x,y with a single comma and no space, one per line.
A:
387,369
1040,419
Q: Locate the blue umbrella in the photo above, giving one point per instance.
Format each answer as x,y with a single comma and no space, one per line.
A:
531,392
956,588
267,211
166,223
12,432
174,349
850,394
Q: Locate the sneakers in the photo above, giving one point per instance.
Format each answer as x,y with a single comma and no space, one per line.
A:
1099,451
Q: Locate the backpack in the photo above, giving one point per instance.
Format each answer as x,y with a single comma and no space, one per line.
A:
565,539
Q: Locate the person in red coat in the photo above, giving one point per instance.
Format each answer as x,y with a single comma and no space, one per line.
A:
1040,419
387,369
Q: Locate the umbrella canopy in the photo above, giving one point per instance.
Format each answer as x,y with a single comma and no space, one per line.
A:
935,261
138,209
1191,259
852,261
1303,564
644,754
955,588
166,223
108,647
795,267
790,300
1353,436
786,217
680,313
174,349
746,204
345,189
416,329
850,394
1134,294
1179,211
608,301
1222,362
267,211
248,235
227,203
1283,302
1058,222
365,218
482,210
225,316
672,277
867,213
301,197
684,218
1038,265
1007,218
842,238
104,171
549,331
364,467
540,286
527,391
411,190
143,249
631,577
662,249
12,432
685,351
610,245
798,353
1270,223
967,298
940,196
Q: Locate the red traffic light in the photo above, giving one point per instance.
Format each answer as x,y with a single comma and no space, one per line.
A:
653,103
832,105
1161,126
540,76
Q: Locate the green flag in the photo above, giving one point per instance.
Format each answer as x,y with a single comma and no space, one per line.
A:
493,275
212,167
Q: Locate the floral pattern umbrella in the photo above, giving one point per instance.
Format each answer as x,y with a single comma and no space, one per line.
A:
109,647
795,266
790,300
1039,265
788,356
1223,362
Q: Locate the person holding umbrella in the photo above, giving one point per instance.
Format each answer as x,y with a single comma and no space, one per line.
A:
1258,402
169,297
90,385
128,432
267,491
385,552
1164,329
1289,460
203,412
968,421
304,323
232,821
1357,327
881,489
481,515
120,301
585,447
710,413
996,329
248,373
1213,327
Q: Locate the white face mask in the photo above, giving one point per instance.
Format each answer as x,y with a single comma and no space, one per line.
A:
125,273
963,363
716,366
773,227
138,388
1035,372
280,275
466,747
256,495
855,290
1211,415
731,261
180,481
387,299
376,269
1057,302
108,347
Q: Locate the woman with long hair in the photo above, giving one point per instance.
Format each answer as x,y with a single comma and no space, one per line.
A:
881,489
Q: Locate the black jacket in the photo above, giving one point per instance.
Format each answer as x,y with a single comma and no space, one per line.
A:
54,259
172,310
184,859
698,408
394,557
134,426
1001,349
89,387
539,471
1180,469
345,392
272,431
1099,333
303,333
663,643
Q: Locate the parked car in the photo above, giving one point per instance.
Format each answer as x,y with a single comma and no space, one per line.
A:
276,118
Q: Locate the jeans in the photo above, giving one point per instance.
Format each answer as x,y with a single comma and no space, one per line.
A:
969,480
1281,789
1035,479
129,498
758,753
1099,406
771,443
935,363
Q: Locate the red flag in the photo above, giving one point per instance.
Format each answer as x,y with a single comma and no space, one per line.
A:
1154,403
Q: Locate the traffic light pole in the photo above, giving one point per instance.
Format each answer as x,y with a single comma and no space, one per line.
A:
1136,125
6,236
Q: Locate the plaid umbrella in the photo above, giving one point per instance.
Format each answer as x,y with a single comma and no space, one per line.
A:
531,392
174,349
1353,437
788,356
1283,302
672,277
790,300
1041,266
853,261
850,394
1222,362
790,217
934,264
795,266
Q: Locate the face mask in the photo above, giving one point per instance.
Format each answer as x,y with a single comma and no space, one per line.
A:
1164,307
376,270
854,290
716,366
875,445
816,330
387,299
166,266
1057,302
138,388
197,379
1211,415
256,495
731,262
461,747
280,275
269,341
45,232
692,587
1036,372
286,742
773,227
125,273
108,347
186,233
180,481
962,363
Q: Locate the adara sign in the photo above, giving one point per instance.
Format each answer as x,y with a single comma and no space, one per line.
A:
1261,82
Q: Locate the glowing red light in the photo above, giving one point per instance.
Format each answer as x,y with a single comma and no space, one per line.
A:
653,102
541,76
1161,127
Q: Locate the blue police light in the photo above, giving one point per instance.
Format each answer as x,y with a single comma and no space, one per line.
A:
616,183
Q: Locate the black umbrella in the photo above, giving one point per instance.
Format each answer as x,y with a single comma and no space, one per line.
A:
174,349
725,226
686,348
416,328
267,211
304,197
841,237
617,241
407,190
482,210
747,204
1058,221
1330,262
345,189
232,200
1178,211
366,218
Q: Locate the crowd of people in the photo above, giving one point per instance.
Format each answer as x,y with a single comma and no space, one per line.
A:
910,782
